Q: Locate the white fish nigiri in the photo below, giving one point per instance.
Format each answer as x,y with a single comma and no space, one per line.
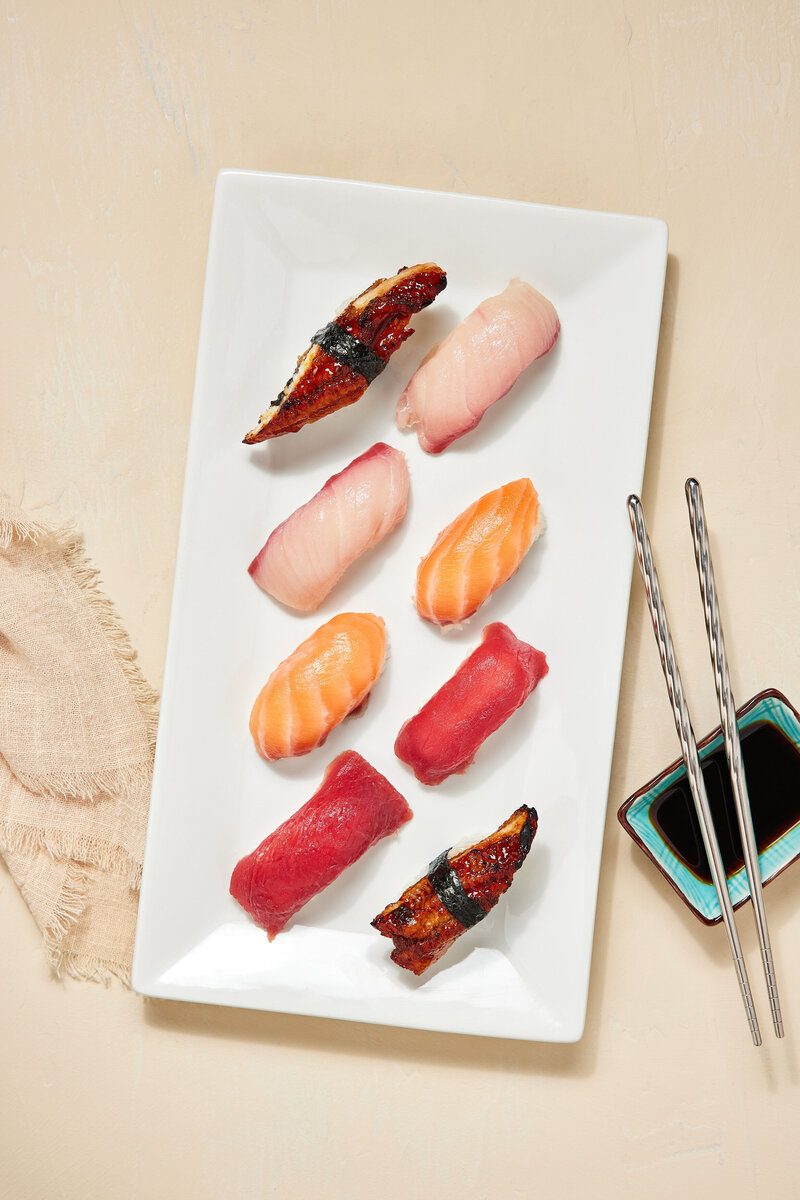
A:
476,364
308,553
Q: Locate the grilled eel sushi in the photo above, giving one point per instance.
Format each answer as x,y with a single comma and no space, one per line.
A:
458,891
345,356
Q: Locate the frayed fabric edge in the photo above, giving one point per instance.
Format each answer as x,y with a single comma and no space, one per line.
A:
19,527
92,786
69,910
87,968
68,545
77,849
16,526
86,577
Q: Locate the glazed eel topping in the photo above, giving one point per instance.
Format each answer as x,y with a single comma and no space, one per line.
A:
458,891
349,352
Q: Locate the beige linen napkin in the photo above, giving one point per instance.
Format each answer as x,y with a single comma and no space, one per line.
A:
77,735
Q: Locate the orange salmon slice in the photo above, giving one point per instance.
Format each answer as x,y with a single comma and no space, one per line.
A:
325,678
478,552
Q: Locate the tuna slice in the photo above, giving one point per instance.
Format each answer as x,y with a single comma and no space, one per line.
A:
476,364
352,809
496,679
307,554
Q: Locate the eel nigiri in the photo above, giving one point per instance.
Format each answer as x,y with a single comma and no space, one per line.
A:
444,736
350,351
476,364
352,809
325,678
458,891
307,554
478,552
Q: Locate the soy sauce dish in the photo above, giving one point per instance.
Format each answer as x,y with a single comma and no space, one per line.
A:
660,816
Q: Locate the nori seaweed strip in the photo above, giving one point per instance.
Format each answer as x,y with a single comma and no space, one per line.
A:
349,351
450,890
526,833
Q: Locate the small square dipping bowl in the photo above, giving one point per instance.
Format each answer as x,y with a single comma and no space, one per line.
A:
635,816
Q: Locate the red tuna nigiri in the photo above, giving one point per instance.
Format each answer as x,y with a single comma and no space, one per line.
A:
476,364
352,809
444,736
308,553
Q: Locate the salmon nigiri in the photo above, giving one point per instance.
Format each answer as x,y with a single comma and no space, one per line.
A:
478,552
324,679
477,364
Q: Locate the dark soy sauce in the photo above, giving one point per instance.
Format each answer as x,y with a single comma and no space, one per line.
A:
772,768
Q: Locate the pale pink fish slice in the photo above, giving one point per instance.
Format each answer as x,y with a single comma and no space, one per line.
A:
304,558
476,364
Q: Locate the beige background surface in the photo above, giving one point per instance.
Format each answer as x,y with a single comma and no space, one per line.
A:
115,120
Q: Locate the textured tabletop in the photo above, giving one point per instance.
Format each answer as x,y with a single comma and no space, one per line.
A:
116,120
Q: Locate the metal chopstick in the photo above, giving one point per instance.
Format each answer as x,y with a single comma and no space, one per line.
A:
694,772
730,731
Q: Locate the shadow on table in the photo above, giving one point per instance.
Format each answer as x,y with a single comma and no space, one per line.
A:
377,1041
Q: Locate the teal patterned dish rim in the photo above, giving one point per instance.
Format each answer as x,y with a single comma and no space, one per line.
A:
634,816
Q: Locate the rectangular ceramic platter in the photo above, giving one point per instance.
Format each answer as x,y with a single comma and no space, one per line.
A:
285,253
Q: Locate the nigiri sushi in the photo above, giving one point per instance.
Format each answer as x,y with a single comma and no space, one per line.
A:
303,559
458,891
352,809
478,552
325,678
476,364
491,684
350,351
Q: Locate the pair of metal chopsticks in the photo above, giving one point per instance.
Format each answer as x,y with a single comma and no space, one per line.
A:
730,730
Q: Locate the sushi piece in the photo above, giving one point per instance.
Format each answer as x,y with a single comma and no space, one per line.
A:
478,552
476,364
352,809
444,736
457,892
350,351
307,554
328,676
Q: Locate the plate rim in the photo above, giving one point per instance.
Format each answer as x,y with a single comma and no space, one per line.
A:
145,983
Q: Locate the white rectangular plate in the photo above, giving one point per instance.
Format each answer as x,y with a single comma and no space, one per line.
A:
285,253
